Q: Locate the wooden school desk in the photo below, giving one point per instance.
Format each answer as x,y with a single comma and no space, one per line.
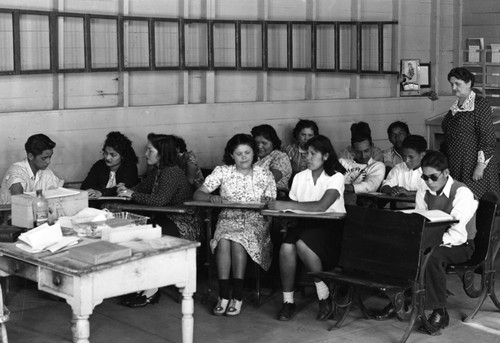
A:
381,199
84,285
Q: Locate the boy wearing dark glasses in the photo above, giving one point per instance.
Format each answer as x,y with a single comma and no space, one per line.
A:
453,197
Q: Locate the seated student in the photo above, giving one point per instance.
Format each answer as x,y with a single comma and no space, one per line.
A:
397,133
316,242
363,173
361,129
405,177
189,164
165,184
270,156
32,173
303,131
442,192
118,165
239,232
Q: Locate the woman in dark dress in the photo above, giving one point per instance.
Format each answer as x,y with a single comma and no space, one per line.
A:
118,165
470,136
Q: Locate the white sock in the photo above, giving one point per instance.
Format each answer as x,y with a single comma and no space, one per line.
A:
149,292
322,290
288,297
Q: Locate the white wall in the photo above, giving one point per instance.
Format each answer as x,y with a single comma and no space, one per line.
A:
79,134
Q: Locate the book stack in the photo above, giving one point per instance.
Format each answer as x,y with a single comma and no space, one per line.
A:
474,45
99,252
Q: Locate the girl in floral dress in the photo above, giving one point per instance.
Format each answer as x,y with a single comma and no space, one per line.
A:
239,233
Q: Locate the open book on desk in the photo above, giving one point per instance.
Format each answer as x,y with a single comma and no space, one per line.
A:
45,237
432,215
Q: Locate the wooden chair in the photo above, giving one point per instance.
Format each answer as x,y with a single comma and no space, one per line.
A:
486,243
385,251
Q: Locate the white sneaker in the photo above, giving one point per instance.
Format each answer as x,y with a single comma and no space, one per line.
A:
234,307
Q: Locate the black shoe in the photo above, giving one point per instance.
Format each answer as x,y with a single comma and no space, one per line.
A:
387,313
439,319
287,311
325,309
128,298
142,300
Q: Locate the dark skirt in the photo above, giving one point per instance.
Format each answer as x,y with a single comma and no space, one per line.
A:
322,236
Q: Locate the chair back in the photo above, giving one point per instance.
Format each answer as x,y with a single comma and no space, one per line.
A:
485,223
382,242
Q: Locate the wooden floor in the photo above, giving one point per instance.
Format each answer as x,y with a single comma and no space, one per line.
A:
36,318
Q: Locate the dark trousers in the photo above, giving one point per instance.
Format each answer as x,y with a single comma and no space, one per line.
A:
435,273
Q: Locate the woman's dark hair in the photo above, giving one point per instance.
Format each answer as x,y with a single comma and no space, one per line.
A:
165,144
180,144
360,132
324,146
434,159
398,124
38,143
415,142
234,142
304,124
268,132
462,74
122,145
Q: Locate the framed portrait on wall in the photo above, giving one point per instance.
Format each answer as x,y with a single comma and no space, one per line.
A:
409,77
424,75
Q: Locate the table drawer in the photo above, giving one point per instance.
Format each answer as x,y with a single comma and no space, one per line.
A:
12,266
51,281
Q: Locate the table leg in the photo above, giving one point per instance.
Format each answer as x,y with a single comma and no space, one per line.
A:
187,316
80,328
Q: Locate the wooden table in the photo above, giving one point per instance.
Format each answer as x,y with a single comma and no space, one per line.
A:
381,199
209,207
154,263
127,206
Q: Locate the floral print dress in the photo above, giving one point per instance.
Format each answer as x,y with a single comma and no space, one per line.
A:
246,227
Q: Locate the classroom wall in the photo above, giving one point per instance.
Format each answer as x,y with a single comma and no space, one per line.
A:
207,108
79,134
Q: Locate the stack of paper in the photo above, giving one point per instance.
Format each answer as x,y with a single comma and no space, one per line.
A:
45,237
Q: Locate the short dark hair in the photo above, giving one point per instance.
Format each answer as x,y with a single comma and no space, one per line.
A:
360,132
268,132
38,143
434,159
415,142
234,142
122,145
324,146
180,144
305,124
398,124
462,74
165,144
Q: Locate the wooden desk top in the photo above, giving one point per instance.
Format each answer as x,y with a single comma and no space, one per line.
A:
313,215
60,261
147,208
383,196
231,205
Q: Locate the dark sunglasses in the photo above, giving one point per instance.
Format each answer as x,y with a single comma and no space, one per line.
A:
433,177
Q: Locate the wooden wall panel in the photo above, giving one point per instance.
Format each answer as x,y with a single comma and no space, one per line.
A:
237,86
155,88
244,10
91,90
39,5
286,86
376,10
26,92
92,6
163,8
288,10
376,86
333,10
332,86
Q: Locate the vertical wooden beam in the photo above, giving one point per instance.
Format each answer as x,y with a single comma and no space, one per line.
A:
210,80
396,44
435,44
355,78
458,56
59,87
310,88
123,76
264,15
184,6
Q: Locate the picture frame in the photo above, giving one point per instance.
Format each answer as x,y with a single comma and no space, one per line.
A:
409,77
424,75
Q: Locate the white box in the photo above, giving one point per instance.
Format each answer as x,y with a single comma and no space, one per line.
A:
22,208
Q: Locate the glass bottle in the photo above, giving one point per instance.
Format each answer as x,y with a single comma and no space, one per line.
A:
40,209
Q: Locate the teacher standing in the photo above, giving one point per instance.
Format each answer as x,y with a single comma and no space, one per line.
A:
470,136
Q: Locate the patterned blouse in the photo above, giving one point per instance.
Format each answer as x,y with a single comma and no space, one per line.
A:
278,160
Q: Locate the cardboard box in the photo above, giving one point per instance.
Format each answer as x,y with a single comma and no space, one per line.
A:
22,209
